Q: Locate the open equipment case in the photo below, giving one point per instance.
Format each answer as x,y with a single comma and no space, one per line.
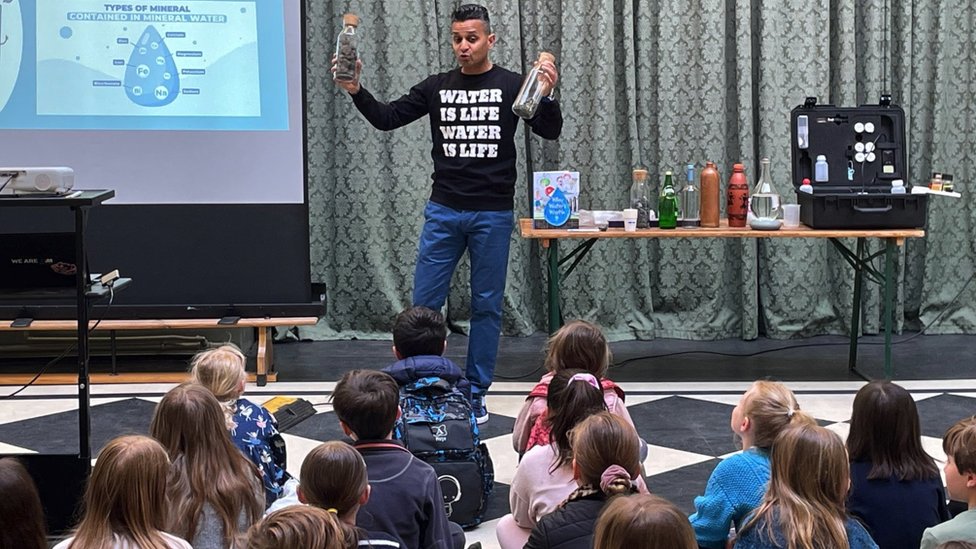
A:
865,151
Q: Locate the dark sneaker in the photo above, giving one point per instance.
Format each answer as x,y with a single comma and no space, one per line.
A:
479,409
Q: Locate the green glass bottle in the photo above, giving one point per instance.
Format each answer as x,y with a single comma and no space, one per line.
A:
667,204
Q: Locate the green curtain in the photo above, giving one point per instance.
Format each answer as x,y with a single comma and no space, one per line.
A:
659,84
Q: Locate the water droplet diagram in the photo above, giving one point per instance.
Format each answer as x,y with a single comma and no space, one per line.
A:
151,77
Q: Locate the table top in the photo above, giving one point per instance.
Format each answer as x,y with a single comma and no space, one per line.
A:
722,231
74,199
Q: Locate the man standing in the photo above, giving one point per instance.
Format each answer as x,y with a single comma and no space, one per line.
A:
471,201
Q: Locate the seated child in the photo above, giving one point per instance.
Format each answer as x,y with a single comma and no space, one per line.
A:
125,499
804,505
334,478
896,490
738,483
645,521
959,444
297,526
406,500
605,465
253,428
214,492
21,514
577,345
419,340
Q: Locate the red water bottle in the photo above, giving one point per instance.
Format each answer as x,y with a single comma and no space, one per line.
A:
738,197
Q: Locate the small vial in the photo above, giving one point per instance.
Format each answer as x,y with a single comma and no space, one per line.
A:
898,186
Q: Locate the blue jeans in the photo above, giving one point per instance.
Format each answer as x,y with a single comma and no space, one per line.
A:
486,235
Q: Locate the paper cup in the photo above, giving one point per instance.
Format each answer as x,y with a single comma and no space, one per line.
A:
630,219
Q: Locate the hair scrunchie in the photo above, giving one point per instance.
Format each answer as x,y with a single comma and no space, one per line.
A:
586,378
613,473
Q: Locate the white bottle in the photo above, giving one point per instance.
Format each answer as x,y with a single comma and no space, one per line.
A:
898,187
806,187
820,170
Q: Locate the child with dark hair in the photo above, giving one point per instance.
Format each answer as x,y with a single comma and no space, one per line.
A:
605,464
419,340
896,489
579,345
959,444
21,514
406,497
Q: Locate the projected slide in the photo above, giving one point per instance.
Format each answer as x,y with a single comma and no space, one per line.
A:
178,64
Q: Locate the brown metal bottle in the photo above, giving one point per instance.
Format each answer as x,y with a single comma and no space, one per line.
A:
738,197
710,192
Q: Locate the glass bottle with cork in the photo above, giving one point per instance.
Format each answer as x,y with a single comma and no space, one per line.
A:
667,204
530,95
347,49
640,198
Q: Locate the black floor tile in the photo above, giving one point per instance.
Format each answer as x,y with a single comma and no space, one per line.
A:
686,424
681,486
58,433
938,413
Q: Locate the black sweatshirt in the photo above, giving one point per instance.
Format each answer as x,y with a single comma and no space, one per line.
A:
472,127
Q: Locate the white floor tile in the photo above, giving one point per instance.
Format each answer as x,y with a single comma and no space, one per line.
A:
661,460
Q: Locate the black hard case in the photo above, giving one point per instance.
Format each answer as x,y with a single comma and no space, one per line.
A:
863,201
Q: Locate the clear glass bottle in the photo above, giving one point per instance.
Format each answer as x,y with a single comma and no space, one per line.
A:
530,95
764,202
667,204
690,200
347,49
640,198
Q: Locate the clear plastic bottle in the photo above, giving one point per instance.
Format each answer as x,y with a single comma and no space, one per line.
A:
690,200
347,49
667,204
530,95
820,170
640,198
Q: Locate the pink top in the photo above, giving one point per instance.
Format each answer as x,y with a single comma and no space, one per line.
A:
529,432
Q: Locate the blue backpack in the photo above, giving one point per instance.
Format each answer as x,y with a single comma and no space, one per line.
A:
438,426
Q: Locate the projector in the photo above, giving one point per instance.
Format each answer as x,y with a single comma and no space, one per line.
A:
36,180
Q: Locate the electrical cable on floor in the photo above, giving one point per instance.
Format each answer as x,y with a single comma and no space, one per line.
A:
801,346
70,348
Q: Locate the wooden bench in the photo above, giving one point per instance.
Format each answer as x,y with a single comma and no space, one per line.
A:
264,373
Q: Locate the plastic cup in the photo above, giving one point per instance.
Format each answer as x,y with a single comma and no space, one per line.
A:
791,216
630,220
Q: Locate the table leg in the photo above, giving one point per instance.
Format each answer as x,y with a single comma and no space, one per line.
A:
888,283
856,306
555,314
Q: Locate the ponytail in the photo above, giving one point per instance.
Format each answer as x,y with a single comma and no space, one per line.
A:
771,406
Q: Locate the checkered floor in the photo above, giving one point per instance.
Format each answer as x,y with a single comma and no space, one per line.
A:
685,424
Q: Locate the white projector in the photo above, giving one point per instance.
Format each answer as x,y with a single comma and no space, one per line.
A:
36,180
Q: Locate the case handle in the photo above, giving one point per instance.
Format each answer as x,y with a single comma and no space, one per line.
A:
872,210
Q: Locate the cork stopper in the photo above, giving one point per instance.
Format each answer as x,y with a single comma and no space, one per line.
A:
350,19
546,56
640,174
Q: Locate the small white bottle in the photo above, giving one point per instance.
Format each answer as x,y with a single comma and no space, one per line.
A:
820,170
898,186
806,187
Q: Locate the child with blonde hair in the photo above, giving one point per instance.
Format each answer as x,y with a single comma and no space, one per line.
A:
605,464
738,483
125,500
252,427
804,505
643,521
298,527
579,345
214,492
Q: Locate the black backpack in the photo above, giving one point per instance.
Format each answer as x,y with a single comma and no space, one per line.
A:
438,426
